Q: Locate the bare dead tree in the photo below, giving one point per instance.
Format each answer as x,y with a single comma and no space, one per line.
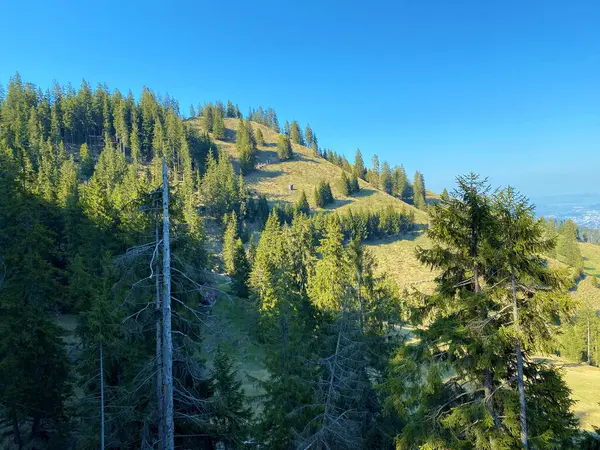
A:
343,387
167,338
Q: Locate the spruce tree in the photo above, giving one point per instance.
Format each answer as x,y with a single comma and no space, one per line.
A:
386,182
302,206
519,242
399,183
355,187
419,191
229,414
218,126
344,185
469,335
230,238
308,135
284,148
260,139
240,269
359,165
207,117
246,146
230,110
86,161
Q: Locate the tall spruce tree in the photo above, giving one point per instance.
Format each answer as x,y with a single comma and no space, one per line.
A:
419,191
284,148
359,165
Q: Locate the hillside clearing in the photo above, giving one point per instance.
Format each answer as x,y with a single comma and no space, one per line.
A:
273,178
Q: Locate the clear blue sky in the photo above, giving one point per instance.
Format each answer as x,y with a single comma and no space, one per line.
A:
510,89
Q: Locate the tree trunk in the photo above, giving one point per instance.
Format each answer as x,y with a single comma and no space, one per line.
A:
17,432
166,319
101,399
159,358
520,380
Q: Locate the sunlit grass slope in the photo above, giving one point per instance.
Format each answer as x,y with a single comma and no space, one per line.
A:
274,178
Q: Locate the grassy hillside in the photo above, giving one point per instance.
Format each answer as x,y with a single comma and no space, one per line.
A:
395,256
591,258
273,177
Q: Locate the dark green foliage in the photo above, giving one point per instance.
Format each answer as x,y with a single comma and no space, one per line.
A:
567,248
359,165
246,146
323,195
230,112
230,416
302,206
220,189
386,182
472,336
354,186
344,184
208,117
230,238
240,269
218,125
260,139
399,183
419,191
366,224
284,148
296,133
33,363
308,135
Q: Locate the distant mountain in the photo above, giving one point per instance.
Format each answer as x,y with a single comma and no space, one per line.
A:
583,209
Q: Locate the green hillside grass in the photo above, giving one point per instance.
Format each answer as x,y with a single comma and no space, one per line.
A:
304,172
591,258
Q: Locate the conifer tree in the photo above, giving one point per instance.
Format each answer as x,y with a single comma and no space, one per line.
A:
284,148
466,336
373,174
519,243
302,206
344,185
399,182
134,139
207,117
218,127
359,165
385,179
230,110
246,146
260,139
567,247
230,415
308,135
86,161
229,241
355,187
192,112
296,133
419,191
240,269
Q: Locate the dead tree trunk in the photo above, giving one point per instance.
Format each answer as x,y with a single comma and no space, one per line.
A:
520,380
167,341
159,357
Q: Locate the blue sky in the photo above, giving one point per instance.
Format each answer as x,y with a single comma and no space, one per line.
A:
510,89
